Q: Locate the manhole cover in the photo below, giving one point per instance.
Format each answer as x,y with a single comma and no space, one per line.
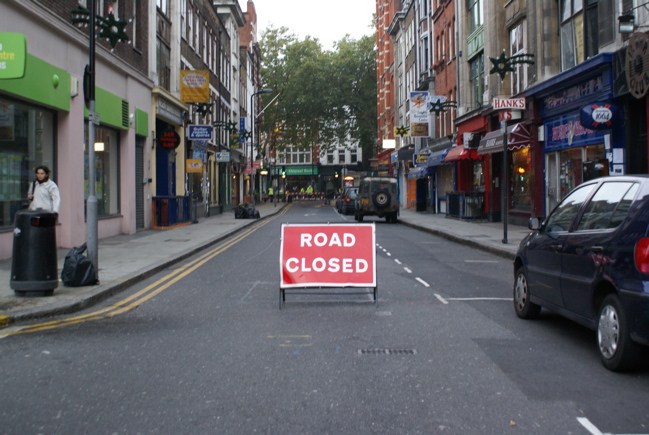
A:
387,351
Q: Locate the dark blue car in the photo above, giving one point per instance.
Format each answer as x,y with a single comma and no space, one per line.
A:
589,261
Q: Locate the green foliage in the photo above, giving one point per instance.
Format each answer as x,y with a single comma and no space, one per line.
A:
327,97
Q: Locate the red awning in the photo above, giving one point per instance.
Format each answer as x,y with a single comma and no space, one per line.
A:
519,137
460,153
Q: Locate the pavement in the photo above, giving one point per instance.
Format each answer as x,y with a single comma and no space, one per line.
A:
125,260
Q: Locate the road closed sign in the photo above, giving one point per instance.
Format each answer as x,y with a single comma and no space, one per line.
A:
328,255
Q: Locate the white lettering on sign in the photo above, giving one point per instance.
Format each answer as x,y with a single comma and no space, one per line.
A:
330,255
333,265
320,239
512,103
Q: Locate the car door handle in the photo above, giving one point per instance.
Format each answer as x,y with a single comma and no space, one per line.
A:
556,247
596,248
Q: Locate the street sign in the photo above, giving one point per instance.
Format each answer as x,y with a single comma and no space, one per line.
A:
199,132
332,255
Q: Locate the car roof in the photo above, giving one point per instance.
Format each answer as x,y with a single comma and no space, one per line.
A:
380,179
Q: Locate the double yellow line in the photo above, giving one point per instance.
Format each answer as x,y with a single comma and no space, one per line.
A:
146,293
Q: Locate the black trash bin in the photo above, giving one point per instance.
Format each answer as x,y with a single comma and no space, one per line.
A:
34,259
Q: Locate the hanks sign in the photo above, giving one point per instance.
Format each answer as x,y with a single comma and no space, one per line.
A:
512,103
334,255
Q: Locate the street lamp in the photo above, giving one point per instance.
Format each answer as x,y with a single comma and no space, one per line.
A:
252,138
113,30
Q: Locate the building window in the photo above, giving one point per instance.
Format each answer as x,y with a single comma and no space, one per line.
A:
163,68
183,19
476,73
341,157
163,6
330,157
353,156
517,45
572,33
476,15
106,170
26,141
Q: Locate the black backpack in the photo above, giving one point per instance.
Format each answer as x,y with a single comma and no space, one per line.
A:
78,269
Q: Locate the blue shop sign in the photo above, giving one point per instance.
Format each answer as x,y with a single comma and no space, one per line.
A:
199,132
568,132
600,116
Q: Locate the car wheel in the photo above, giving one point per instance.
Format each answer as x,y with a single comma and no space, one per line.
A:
617,351
381,198
524,307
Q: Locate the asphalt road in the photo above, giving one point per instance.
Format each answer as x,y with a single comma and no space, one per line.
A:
204,348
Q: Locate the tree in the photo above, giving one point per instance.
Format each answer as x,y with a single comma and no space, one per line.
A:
327,98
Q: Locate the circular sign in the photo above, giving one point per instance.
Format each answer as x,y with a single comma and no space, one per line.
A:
599,116
637,64
169,139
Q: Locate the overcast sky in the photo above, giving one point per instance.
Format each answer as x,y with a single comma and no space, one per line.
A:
329,20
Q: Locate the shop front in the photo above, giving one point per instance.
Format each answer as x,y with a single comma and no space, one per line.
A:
574,148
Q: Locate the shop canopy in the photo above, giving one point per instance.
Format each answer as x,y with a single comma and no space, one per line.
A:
437,158
460,153
518,136
418,172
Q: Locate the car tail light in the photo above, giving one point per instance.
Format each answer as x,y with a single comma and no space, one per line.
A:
642,255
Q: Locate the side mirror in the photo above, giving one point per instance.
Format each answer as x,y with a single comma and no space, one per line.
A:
534,223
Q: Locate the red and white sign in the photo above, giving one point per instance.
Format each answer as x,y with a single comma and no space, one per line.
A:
328,255
508,115
511,103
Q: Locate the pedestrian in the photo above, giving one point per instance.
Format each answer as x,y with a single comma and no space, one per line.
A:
271,193
43,193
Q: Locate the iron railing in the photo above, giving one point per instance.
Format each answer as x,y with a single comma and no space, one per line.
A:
465,205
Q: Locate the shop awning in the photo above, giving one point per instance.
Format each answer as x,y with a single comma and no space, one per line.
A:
491,143
406,153
418,172
437,158
460,153
518,136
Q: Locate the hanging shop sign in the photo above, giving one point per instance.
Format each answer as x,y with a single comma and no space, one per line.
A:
599,116
419,114
195,86
194,165
13,55
169,139
637,64
199,132
222,156
511,103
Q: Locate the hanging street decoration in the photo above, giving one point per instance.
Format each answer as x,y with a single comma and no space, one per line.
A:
109,27
439,106
401,131
203,109
504,64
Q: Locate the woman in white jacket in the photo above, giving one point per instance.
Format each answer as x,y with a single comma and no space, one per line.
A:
43,192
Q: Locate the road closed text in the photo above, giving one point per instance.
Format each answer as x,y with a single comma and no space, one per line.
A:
328,255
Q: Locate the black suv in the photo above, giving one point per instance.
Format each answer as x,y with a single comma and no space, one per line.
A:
378,196
589,261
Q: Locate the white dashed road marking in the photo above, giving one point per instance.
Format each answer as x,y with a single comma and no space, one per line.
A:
441,299
407,270
423,282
